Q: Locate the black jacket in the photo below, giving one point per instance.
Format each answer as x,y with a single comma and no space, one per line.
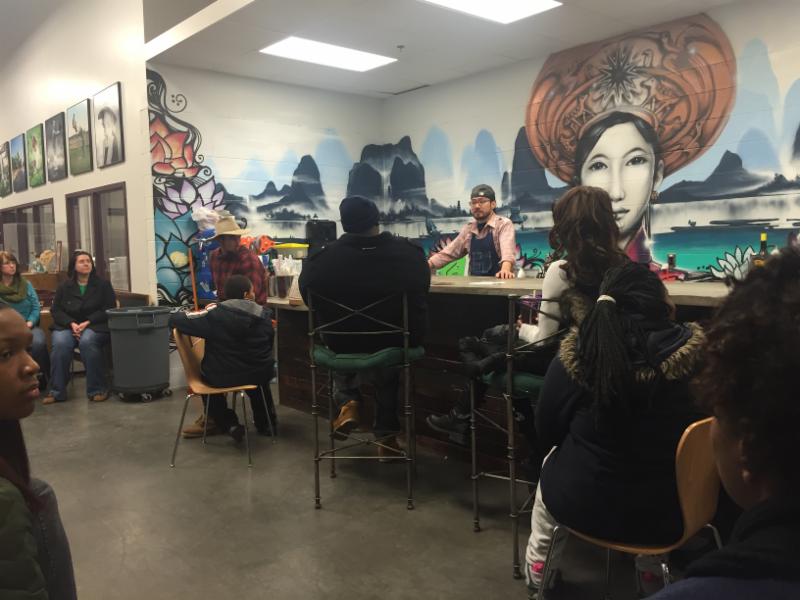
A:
616,481
69,306
357,271
762,559
238,335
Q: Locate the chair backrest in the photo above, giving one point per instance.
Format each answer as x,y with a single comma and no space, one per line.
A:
191,356
381,323
697,477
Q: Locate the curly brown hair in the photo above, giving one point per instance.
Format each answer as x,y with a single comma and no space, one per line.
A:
585,230
752,355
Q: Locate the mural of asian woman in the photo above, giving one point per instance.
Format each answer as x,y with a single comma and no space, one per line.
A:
625,113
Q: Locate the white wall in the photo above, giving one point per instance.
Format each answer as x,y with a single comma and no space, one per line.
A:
254,130
79,49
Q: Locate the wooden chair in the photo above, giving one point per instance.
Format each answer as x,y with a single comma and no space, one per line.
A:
698,492
191,355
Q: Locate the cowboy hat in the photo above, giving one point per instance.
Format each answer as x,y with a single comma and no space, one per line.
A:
227,225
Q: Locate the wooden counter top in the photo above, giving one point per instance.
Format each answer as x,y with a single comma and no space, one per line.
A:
708,294
682,293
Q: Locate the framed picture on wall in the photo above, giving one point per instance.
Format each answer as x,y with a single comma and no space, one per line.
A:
5,170
108,141
19,176
34,149
79,138
55,147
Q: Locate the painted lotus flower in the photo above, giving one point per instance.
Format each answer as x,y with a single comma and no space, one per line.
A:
176,203
733,265
169,152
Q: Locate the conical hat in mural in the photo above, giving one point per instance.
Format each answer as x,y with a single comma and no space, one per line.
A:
680,77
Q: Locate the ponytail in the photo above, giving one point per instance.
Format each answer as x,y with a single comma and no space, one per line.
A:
628,293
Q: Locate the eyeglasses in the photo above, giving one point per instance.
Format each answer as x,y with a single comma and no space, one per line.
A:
479,201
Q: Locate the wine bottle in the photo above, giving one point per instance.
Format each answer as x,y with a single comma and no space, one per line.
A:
760,258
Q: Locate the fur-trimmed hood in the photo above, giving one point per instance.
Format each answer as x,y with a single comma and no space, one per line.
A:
679,364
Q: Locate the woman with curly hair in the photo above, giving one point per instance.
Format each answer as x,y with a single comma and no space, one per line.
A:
585,231
752,358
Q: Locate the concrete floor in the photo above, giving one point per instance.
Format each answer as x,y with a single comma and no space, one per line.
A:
213,529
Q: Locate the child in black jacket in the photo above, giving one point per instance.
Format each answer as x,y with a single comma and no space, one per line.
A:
239,335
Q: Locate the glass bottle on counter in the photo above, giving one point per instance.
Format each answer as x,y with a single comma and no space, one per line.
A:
758,259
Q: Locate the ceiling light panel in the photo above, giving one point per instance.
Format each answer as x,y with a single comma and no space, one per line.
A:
500,11
328,55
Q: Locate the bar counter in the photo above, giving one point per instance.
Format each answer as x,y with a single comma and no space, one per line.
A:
458,307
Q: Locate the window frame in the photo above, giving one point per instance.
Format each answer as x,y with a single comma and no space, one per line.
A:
23,259
97,226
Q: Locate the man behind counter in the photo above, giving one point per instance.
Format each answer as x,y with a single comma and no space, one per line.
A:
489,240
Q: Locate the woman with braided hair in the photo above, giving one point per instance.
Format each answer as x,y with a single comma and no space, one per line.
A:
613,407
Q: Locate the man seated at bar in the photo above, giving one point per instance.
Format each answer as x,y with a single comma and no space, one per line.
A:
489,240
752,357
360,268
238,334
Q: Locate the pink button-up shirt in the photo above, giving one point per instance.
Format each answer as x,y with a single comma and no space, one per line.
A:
505,241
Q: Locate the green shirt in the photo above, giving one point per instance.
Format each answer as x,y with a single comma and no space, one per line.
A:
83,289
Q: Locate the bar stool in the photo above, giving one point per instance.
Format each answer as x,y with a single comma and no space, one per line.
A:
321,356
513,384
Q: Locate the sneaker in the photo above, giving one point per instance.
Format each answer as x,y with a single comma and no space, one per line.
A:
649,574
237,433
195,430
453,424
347,420
533,578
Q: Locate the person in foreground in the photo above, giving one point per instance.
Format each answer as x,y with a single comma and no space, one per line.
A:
238,334
489,240
80,321
360,268
614,405
752,359
18,292
35,560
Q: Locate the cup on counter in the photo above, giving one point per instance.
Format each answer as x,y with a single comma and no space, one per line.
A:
283,283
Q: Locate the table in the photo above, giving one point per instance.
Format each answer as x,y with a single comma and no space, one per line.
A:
458,306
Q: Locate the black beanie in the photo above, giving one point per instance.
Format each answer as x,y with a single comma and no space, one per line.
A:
358,214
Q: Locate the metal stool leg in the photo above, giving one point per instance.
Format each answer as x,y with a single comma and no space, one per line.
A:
607,590
206,400
331,418
548,562
476,519
180,428
315,415
512,487
272,428
409,433
246,429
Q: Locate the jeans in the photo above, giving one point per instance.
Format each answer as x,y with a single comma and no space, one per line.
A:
386,383
91,345
38,350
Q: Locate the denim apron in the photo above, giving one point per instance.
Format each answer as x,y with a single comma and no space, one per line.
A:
483,258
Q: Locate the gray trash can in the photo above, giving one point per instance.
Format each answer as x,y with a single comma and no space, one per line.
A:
140,350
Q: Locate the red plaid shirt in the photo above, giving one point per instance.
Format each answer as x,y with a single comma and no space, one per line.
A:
242,262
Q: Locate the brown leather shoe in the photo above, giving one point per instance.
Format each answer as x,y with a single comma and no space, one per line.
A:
99,397
347,420
195,430
49,399
391,452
